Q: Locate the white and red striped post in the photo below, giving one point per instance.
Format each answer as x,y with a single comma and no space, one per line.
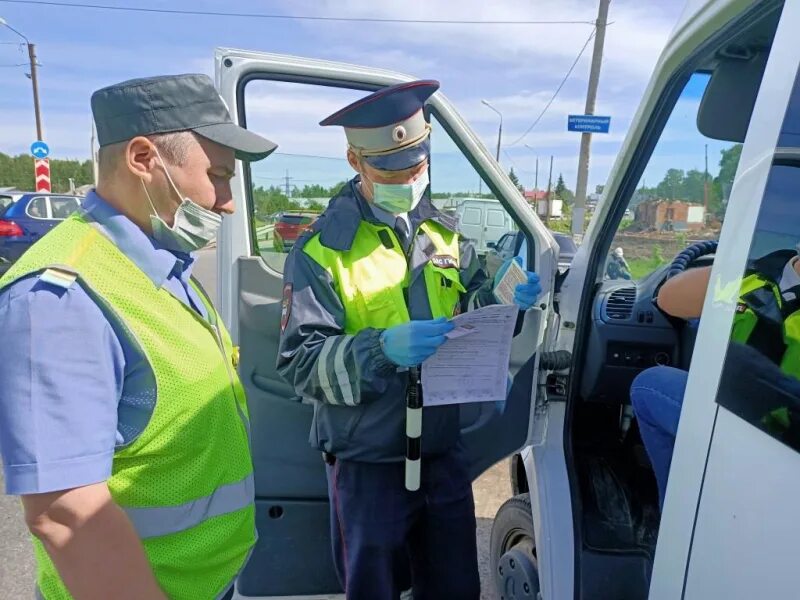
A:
42,170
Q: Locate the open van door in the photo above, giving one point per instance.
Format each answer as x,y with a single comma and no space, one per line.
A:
731,504
286,97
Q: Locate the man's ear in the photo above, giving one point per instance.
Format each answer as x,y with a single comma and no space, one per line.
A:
140,158
354,161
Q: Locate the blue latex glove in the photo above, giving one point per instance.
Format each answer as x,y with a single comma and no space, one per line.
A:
525,294
409,344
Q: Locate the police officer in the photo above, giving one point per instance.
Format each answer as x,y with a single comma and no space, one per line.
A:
368,294
767,319
123,425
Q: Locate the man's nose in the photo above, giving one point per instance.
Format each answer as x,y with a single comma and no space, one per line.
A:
225,202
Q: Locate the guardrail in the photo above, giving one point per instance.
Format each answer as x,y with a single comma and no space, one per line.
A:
265,232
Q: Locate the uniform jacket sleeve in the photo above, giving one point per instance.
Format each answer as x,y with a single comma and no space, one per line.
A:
315,355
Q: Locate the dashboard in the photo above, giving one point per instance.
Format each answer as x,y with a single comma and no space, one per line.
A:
629,334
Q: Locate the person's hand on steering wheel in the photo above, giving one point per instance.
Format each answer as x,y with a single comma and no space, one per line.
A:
684,292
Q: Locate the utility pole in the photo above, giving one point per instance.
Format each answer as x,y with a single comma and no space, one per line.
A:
288,179
35,81
499,129
34,76
549,185
586,138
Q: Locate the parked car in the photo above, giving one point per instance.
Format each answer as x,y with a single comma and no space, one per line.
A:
5,201
288,227
511,245
25,221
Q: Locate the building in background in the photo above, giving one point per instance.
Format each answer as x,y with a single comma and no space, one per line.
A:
670,215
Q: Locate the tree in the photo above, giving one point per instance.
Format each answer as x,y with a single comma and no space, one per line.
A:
671,186
314,191
515,180
315,206
563,192
728,164
560,187
693,187
17,172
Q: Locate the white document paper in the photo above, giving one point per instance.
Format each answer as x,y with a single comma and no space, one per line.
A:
473,367
514,275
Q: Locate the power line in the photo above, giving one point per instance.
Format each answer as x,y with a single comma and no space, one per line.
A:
208,13
561,85
304,155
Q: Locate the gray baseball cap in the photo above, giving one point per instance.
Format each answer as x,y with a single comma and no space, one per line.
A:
168,104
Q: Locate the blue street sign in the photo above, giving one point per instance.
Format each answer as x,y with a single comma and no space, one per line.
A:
40,149
588,123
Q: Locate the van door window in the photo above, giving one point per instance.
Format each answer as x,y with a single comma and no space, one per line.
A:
760,381
290,190
678,201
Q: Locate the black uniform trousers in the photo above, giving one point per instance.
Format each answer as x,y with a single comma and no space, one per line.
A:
387,539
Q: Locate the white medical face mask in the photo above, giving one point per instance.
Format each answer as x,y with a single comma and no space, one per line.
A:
194,227
398,198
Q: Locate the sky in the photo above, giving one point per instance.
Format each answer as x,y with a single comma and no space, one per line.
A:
515,67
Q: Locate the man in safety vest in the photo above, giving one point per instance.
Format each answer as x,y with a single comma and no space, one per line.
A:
767,319
368,294
123,424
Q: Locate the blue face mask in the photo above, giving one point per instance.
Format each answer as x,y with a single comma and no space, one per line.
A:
398,198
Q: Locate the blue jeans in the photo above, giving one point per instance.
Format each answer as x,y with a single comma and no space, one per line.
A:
657,397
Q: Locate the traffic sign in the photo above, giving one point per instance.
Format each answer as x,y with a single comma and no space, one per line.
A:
40,150
588,123
42,170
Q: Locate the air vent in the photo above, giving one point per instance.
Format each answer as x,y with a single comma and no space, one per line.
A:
619,305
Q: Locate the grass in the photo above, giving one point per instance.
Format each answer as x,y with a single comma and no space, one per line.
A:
640,267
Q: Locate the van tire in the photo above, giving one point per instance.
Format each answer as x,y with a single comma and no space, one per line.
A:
513,559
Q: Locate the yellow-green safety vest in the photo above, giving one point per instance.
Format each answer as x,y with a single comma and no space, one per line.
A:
372,280
186,482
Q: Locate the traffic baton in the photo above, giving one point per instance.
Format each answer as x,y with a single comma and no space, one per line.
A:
413,430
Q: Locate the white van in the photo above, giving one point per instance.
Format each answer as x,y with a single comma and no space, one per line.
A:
484,221
585,520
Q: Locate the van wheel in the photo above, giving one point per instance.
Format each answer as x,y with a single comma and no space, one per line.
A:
513,551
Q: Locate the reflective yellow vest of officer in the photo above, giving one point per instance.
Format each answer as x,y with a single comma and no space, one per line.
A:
781,339
186,482
372,279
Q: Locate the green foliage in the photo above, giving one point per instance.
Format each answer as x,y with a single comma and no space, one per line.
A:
563,192
658,254
515,180
728,164
271,200
17,172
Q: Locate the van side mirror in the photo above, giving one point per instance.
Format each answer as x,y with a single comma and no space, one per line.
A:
491,245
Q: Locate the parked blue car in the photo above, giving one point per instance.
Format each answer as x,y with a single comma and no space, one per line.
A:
27,219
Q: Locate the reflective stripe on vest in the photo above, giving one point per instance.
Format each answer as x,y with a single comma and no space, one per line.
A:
373,280
163,520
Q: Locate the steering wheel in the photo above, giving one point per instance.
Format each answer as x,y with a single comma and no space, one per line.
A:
682,261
